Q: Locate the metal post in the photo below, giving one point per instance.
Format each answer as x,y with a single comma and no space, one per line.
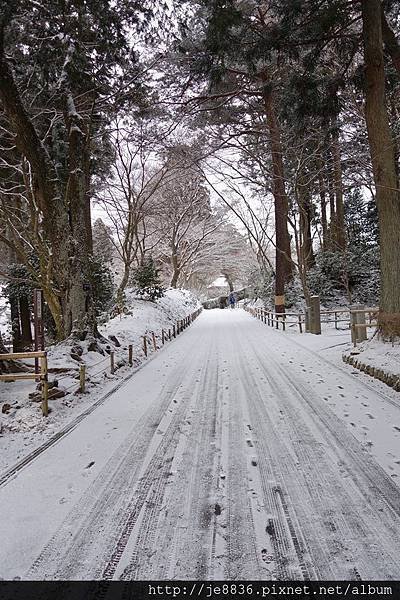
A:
145,345
112,364
300,325
162,337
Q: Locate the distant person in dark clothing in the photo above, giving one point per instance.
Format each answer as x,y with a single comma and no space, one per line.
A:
232,300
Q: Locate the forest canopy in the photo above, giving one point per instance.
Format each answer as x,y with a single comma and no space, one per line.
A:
258,141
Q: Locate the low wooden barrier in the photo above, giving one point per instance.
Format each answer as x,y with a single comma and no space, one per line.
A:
274,319
357,319
149,344
42,376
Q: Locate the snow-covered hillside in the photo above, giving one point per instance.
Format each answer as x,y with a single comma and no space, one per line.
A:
22,425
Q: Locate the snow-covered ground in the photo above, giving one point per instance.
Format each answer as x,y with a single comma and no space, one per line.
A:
381,355
238,452
23,427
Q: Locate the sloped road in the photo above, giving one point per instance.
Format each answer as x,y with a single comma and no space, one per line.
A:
220,459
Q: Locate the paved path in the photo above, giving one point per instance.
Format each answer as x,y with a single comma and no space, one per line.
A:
220,459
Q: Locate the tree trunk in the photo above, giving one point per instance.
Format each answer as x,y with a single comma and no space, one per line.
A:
392,45
176,269
340,233
305,210
45,183
175,276
65,220
228,281
283,260
25,318
324,218
384,168
15,325
332,208
79,307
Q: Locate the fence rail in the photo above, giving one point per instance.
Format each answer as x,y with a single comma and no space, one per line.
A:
151,342
85,369
42,376
357,319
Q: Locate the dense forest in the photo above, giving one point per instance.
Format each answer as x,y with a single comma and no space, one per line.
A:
254,140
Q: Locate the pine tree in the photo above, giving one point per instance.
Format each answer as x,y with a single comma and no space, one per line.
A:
146,279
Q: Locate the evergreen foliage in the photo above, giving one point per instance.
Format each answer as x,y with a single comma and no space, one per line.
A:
146,279
102,283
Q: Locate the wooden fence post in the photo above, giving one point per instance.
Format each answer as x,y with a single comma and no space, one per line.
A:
300,326
169,334
82,378
357,317
145,345
130,355
174,331
45,385
154,341
162,337
315,315
112,363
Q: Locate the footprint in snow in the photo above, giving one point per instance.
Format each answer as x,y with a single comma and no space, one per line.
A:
397,428
267,558
370,416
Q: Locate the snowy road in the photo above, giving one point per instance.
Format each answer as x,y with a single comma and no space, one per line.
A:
226,457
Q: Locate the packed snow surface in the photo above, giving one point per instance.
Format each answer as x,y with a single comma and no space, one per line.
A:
23,428
238,452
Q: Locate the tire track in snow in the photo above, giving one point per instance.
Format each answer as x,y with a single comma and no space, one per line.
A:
352,522
156,547
103,507
291,555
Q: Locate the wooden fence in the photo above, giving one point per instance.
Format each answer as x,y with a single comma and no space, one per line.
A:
151,342
42,376
358,319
